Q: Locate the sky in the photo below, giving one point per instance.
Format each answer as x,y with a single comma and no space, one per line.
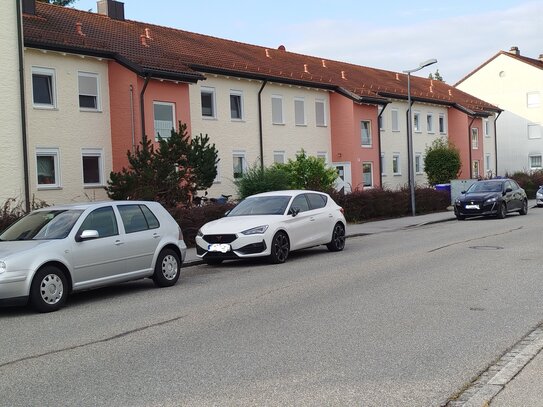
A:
394,35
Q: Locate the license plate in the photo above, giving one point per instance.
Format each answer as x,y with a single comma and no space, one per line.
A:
472,207
219,247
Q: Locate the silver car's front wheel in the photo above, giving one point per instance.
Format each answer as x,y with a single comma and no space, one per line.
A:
48,290
167,268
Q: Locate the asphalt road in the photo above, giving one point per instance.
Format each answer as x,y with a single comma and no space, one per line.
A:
398,318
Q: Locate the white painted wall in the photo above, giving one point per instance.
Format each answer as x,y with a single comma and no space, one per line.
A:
67,127
505,82
231,136
11,154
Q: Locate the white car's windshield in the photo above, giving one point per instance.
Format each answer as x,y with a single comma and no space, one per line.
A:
42,225
483,186
262,205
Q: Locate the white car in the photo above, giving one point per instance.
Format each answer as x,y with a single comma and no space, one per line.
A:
272,224
61,249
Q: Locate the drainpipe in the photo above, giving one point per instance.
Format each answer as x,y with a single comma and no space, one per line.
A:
496,143
142,108
23,103
132,124
470,147
261,133
379,144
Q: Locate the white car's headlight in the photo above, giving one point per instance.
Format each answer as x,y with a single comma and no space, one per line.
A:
256,231
3,267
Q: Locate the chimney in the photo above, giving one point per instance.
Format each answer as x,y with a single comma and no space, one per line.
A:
514,51
143,40
79,29
305,68
111,8
323,63
343,75
267,53
29,7
541,57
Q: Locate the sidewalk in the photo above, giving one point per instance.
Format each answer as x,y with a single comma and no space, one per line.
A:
518,382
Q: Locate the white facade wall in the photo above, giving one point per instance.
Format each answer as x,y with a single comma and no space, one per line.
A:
235,137
506,82
67,128
394,141
11,155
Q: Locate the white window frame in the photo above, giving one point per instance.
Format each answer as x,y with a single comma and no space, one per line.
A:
282,119
210,91
324,122
239,154
362,128
168,134
299,103
281,154
371,174
418,164
50,72
475,169
487,162
532,156
383,165
237,93
55,153
474,138
416,122
217,179
535,133
533,100
442,124
97,96
430,123
93,152
486,127
397,158
323,155
395,119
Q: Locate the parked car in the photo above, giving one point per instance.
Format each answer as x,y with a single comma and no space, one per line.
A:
273,224
495,197
539,197
57,250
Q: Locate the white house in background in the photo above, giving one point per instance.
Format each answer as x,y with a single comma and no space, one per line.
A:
226,108
11,154
515,84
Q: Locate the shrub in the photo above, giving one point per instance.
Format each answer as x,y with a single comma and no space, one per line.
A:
442,162
529,181
309,172
257,180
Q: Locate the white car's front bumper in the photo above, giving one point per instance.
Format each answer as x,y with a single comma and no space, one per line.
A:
232,246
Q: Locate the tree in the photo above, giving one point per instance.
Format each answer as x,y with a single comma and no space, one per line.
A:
437,76
257,179
308,172
166,174
442,162
58,2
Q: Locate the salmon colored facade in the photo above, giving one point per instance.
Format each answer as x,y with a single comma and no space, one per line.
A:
346,117
460,125
125,97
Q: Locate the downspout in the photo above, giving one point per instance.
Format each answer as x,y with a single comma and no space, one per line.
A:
23,103
132,124
142,108
496,143
379,144
261,132
470,147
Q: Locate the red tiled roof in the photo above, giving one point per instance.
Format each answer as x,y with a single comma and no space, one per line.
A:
171,51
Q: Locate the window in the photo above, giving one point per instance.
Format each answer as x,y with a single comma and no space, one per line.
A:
320,113
92,167
316,201
300,203
474,138
535,162
475,170
88,91
239,164
430,123
533,99
487,163
236,105
396,164
367,174
208,102
416,122
43,87
383,164
442,127
534,131
322,155
395,121
47,167
279,157
365,133
418,163
164,119
137,218
102,220
277,109
299,112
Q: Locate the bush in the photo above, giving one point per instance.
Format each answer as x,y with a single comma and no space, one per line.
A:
529,181
257,180
12,210
309,172
442,162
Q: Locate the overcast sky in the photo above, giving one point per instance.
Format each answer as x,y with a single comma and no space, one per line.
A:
390,34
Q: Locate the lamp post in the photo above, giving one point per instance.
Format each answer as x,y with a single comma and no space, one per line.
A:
411,171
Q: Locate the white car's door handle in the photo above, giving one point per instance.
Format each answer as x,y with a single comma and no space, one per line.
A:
118,242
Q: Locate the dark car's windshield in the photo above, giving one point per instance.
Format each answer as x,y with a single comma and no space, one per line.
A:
262,205
483,186
42,225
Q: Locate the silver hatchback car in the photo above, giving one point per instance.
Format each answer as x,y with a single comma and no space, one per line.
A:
57,250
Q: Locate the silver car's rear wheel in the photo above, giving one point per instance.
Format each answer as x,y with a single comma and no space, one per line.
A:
167,268
48,290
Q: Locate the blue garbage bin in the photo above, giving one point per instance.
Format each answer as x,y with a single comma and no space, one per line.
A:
444,187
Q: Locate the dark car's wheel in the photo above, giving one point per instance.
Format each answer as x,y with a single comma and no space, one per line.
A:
49,289
460,217
338,238
167,268
524,209
213,262
502,211
280,248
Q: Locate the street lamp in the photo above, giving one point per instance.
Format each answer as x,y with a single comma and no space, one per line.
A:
411,172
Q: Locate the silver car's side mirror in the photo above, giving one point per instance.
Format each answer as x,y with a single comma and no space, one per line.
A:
87,235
